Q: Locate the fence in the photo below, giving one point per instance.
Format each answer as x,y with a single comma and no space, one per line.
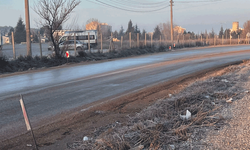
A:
178,43
135,41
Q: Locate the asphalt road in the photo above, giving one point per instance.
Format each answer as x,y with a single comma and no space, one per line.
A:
51,92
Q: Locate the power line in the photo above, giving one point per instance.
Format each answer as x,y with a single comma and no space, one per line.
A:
133,6
137,5
205,1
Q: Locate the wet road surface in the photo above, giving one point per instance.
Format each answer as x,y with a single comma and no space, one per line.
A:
51,92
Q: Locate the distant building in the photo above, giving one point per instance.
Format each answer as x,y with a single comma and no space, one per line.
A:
179,29
235,27
150,33
6,39
59,33
104,28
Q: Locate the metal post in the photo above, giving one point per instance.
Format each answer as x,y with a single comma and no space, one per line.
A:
145,39
130,39
75,43
40,44
13,45
27,18
89,43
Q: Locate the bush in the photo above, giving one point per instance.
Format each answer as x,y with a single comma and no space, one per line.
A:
3,62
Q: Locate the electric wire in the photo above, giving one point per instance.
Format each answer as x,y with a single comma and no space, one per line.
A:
140,6
136,6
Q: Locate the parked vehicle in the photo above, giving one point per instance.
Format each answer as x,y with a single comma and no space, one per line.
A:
70,45
81,36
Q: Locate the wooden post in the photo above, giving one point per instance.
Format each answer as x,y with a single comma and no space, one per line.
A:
214,40
111,42
111,45
238,39
89,42
138,40
130,39
160,39
230,40
13,45
145,39
189,41
151,40
121,41
206,39
101,43
27,20
40,44
75,43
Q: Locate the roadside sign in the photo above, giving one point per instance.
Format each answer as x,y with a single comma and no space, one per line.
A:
27,122
67,54
26,119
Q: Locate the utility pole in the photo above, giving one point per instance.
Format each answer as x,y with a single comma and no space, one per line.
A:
27,20
171,12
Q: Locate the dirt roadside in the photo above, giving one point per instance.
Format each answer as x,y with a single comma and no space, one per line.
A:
84,123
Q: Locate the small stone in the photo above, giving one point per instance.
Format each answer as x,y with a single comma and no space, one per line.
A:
169,95
225,80
187,116
213,103
172,147
29,145
230,100
100,141
140,147
85,138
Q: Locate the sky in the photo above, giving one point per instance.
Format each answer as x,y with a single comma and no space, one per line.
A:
194,15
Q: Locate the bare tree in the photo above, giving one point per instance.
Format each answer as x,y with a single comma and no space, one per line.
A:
246,28
54,13
165,29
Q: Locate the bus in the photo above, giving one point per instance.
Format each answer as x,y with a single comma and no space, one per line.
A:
81,36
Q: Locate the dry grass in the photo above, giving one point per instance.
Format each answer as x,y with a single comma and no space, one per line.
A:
160,126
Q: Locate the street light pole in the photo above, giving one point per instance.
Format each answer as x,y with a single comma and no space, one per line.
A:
27,20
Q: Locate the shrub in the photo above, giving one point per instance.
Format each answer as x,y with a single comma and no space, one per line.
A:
3,62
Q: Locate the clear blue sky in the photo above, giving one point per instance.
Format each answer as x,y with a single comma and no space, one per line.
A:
195,16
